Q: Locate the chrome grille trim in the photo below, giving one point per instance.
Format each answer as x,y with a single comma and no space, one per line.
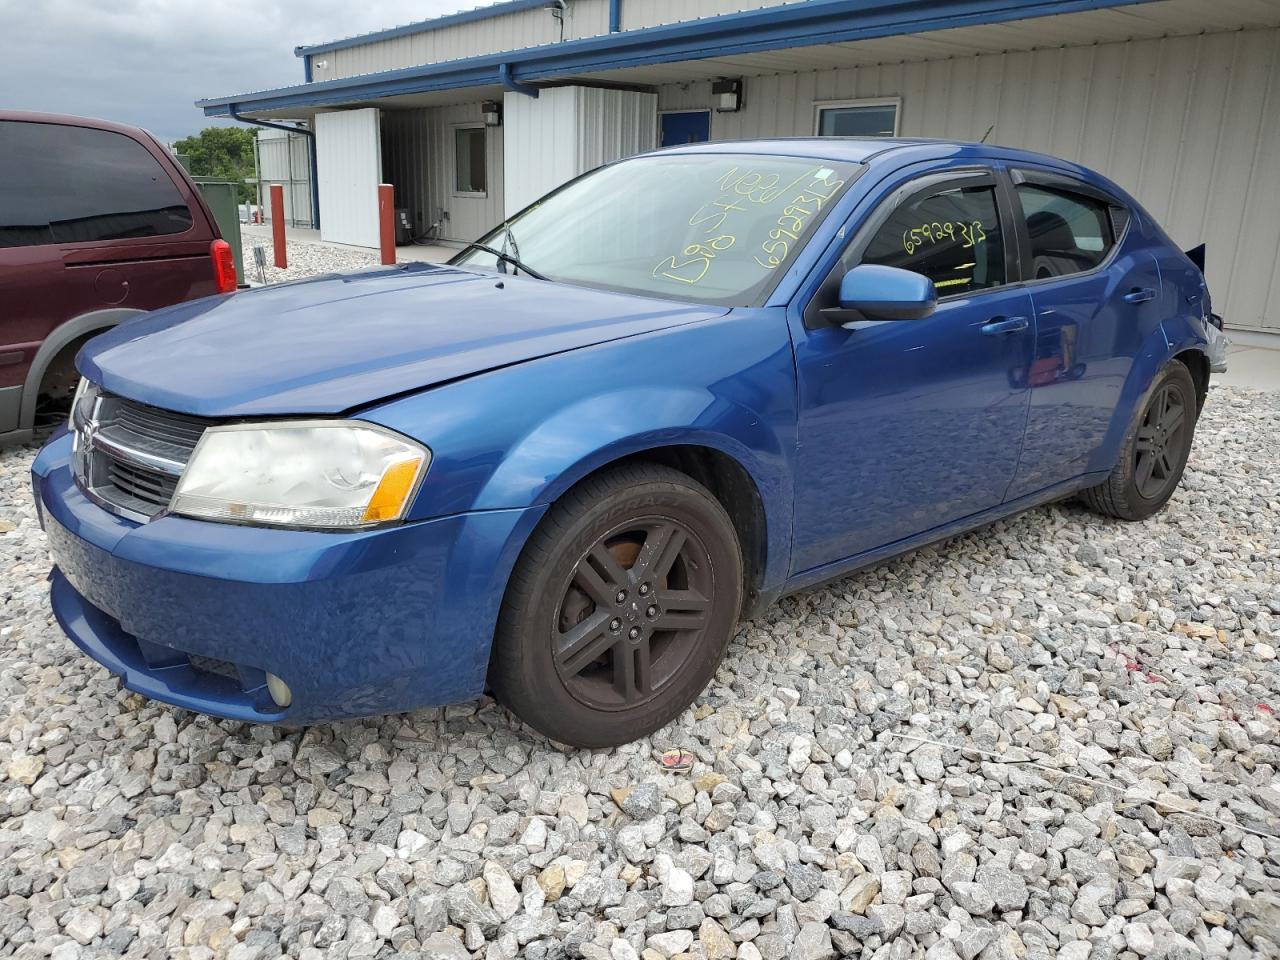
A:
129,456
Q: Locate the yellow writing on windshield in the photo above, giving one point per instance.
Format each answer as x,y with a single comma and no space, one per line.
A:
741,193
796,215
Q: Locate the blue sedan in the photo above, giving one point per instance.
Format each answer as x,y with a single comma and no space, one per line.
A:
562,466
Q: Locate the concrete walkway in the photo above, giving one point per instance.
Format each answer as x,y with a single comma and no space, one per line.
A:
1253,360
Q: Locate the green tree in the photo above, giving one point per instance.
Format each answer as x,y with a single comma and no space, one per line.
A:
222,152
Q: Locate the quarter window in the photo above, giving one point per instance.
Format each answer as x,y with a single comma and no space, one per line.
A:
63,184
952,236
1069,233
469,168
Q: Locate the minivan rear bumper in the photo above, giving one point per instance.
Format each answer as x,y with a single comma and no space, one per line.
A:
357,624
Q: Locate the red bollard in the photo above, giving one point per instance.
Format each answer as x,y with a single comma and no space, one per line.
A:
387,222
277,224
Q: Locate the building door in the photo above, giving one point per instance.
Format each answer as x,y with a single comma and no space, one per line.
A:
687,126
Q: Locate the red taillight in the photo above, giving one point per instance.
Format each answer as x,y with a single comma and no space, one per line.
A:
224,266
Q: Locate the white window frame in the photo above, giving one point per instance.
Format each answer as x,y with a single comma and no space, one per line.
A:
820,105
454,149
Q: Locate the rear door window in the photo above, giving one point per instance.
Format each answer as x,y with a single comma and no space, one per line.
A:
951,235
64,184
1069,232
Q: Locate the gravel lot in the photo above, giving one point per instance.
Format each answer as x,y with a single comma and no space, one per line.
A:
1054,736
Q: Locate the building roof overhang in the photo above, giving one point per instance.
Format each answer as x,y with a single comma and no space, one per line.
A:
748,42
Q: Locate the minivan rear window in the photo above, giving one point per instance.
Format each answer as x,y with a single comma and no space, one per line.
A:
65,184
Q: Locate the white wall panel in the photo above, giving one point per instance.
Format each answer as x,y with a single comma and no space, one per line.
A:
1189,125
349,161
566,131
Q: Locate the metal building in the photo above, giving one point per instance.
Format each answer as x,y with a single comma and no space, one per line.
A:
473,115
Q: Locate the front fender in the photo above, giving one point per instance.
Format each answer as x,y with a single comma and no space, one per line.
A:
523,435
599,430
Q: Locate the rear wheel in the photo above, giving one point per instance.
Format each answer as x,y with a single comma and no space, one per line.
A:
1155,450
619,609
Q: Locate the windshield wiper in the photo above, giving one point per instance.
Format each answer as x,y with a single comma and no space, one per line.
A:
510,258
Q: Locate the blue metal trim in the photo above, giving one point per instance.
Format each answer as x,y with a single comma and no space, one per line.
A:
615,15
422,26
306,69
772,28
509,81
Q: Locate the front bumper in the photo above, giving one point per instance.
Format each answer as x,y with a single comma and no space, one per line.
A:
357,624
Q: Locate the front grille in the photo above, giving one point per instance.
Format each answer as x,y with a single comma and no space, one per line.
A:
129,456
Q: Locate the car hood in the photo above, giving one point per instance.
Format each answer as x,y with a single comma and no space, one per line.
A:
334,343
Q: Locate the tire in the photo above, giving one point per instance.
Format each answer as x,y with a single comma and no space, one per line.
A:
579,653
1155,451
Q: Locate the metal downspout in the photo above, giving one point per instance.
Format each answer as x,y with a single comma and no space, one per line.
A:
311,135
515,86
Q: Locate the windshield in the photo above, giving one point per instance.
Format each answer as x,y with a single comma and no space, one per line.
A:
711,228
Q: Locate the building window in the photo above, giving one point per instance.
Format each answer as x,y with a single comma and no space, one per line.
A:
858,118
469,161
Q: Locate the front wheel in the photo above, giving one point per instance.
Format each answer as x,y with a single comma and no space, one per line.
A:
1155,450
620,607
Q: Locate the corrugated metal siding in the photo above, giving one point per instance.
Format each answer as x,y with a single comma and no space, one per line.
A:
650,13
284,158
1189,125
527,28
419,158
569,130
349,161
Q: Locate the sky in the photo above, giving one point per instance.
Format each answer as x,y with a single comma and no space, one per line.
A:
146,62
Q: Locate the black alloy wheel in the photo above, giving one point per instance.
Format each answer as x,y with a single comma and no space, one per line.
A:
1155,449
620,607
636,606
1159,441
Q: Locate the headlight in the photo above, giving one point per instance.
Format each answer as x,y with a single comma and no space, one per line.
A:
318,473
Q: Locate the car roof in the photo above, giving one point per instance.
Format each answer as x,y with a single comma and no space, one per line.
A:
867,149
73,121
891,152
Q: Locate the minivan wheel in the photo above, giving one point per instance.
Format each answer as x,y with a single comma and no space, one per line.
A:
619,609
1155,450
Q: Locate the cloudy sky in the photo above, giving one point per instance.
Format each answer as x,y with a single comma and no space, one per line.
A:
146,61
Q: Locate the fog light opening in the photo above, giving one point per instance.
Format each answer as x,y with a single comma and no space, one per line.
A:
279,690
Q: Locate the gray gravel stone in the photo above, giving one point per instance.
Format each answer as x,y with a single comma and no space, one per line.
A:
1099,702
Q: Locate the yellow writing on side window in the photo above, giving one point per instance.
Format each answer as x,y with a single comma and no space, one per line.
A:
968,233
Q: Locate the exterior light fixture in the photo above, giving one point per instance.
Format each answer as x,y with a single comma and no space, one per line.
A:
728,94
491,110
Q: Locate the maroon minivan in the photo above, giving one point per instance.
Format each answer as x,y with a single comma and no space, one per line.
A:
98,223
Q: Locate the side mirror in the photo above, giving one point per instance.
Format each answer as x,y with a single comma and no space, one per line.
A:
871,291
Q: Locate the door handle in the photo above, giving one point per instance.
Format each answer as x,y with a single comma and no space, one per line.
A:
1003,325
1139,295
